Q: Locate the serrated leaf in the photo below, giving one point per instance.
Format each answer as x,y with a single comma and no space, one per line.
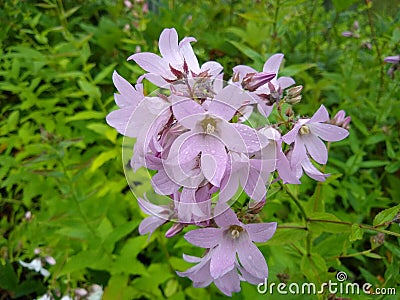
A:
356,233
386,215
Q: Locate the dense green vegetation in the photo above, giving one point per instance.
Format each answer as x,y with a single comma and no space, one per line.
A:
62,185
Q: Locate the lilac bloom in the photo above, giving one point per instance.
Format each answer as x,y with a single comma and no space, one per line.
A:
150,114
178,60
159,215
395,59
307,136
127,100
252,174
210,132
201,276
230,239
267,94
274,151
311,171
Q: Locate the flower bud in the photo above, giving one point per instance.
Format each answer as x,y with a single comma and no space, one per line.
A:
253,81
50,260
294,91
174,230
289,112
294,100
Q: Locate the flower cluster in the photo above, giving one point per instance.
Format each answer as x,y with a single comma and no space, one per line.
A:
196,136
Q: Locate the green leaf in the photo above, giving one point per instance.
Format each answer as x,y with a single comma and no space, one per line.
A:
326,222
255,56
373,164
85,115
386,215
8,278
171,287
285,236
295,69
105,72
90,89
341,5
103,158
313,266
356,233
393,248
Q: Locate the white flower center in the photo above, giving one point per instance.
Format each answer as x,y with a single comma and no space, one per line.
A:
209,125
210,128
304,130
235,231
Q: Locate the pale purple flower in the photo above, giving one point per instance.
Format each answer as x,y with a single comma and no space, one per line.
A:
159,215
395,59
274,151
253,174
50,260
308,168
210,132
201,276
307,136
127,100
231,241
347,33
178,60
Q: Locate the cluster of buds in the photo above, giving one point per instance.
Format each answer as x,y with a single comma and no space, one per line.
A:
197,139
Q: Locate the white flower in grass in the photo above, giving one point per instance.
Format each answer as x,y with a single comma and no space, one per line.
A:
36,265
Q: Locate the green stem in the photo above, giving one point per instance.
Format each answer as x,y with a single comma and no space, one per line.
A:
295,200
363,226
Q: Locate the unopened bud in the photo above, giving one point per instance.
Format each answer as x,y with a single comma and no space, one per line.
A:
50,260
80,292
347,34
253,81
289,112
255,208
294,100
174,230
356,25
294,91
346,122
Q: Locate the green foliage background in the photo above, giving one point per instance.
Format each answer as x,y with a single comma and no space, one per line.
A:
62,162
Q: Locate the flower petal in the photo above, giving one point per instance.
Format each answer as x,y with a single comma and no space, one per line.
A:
228,283
328,132
299,152
204,237
227,102
222,259
261,232
321,115
285,82
150,224
273,63
213,160
152,63
168,44
312,171
316,148
251,257
227,218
